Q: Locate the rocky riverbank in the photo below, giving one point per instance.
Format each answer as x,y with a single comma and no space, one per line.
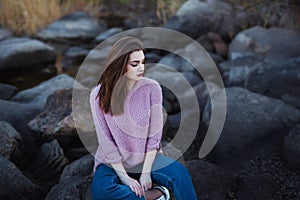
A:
42,156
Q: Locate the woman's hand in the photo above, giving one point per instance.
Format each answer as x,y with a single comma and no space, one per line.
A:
134,185
127,180
146,181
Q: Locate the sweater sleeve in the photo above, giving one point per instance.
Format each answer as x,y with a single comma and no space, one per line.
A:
107,151
156,119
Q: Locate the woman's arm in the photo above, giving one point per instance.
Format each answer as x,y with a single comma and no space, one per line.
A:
107,151
127,180
145,179
154,135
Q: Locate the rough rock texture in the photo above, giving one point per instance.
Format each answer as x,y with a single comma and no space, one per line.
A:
14,185
210,180
19,53
291,148
254,124
9,141
75,26
49,163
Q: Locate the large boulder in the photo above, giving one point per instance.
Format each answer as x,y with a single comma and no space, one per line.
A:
9,141
56,121
274,45
14,185
49,163
75,181
266,177
210,180
23,53
254,124
76,27
291,149
7,91
196,18
18,115
39,94
278,81
236,72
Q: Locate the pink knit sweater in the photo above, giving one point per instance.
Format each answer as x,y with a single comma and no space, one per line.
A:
125,138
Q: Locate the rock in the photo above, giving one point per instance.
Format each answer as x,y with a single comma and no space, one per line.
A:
210,180
76,53
206,43
173,122
236,72
152,57
76,27
39,94
56,121
196,18
171,151
254,124
75,180
279,81
177,63
262,186
291,148
4,34
267,176
220,46
9,141
257,42
18,115
108,33
49,163
81,168
75,188
14,185
73,58
23,53
7,91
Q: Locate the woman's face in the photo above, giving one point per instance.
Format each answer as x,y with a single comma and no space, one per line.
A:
135,65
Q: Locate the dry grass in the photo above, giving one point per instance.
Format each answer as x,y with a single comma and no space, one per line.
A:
29,16
167,8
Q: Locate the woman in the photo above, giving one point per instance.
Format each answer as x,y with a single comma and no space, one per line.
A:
128,118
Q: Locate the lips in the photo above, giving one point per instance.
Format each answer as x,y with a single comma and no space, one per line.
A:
140,74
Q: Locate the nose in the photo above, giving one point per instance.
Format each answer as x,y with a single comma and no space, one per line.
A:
141,67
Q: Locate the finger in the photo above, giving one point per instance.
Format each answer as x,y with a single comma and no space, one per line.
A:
140,191
133,189
145,188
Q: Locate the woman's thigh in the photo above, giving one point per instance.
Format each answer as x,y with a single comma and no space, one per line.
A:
107,185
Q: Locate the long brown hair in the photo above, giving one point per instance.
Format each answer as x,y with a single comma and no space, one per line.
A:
113,89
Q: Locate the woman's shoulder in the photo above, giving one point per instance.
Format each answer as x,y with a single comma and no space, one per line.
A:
148,81
95,90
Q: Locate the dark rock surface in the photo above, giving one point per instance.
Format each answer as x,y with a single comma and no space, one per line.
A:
265,43
291,148
22,53
14,185
252,127
10,140
7,91
75,26
210,180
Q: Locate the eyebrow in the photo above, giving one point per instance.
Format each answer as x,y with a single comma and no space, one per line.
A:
137,61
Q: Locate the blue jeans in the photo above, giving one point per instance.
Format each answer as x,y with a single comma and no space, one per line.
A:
167,172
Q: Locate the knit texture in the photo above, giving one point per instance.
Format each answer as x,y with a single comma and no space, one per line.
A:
127,137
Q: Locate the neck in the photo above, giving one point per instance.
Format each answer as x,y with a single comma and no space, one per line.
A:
130,84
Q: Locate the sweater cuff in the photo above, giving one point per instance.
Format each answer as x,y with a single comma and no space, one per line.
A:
153,144
112,158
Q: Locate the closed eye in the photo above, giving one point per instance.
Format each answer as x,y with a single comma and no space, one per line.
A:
136,63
